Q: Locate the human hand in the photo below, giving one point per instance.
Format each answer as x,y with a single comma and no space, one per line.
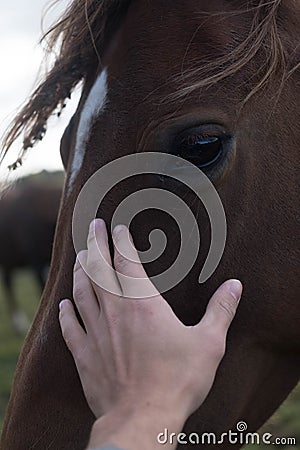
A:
136,352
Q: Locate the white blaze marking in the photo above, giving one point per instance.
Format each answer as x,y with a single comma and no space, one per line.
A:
94,105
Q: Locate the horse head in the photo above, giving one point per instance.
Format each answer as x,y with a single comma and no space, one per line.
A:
214,83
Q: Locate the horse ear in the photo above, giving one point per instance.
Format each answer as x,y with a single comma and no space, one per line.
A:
79,39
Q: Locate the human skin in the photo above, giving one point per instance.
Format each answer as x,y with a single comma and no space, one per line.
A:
141,369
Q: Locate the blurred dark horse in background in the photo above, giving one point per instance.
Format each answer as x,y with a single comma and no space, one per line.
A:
28,215
216,82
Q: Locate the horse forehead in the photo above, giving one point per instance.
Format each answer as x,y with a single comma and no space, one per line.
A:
172,22
157,39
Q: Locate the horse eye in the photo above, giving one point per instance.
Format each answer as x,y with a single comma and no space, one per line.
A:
199,148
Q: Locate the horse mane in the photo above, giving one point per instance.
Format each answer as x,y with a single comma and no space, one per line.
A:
263,36
81,35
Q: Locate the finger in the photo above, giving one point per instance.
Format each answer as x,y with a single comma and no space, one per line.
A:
131,273
222,306
72,332
83,293
99,265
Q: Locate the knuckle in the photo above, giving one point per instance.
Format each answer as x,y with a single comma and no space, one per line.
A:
93,266
82,361
67,338
78,293
216,343
218,347
121,263
104,256
228,306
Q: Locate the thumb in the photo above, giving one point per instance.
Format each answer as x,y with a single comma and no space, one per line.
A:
222,306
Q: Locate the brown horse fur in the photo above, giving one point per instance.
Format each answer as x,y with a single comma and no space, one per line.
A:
173,65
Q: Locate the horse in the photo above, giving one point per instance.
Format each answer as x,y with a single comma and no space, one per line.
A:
217,84
28,214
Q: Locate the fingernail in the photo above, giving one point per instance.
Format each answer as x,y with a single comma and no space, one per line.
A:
119,229
62,304
96,223
236,289
92,225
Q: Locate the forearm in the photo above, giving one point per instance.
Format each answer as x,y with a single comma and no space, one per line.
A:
133,430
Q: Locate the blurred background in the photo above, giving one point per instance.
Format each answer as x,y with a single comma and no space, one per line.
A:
35,190
21,58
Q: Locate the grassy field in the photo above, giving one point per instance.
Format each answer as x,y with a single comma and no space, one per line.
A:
10,344
286,422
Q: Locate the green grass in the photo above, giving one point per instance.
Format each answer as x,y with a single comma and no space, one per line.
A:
286,422
27,294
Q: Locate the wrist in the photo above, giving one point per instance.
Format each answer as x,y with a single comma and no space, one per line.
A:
135,426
